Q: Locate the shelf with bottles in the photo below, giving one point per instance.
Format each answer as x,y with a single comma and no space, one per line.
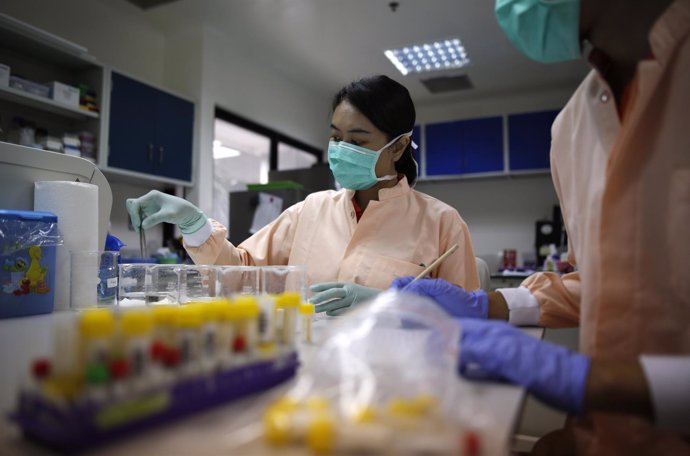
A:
50,133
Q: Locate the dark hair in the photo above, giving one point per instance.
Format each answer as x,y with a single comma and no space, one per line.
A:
387,105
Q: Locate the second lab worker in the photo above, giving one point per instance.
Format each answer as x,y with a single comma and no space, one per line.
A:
354,242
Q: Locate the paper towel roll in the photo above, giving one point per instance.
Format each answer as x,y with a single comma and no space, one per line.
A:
76,205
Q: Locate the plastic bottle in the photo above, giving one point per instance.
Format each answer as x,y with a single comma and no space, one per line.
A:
551,258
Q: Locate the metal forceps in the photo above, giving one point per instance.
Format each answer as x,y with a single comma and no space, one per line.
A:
142,237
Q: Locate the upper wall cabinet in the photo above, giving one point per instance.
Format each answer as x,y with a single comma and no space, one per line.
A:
529,140
151,131
464,147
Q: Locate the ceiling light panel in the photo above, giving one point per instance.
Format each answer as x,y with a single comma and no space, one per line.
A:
436,56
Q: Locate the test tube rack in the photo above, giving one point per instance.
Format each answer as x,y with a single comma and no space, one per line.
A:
126,371
80,426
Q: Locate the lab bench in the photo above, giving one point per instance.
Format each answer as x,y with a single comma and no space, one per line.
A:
234,428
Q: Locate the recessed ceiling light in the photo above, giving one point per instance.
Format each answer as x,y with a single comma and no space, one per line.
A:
419,58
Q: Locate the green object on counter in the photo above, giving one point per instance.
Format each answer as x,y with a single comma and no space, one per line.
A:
97,373
169,260
275,185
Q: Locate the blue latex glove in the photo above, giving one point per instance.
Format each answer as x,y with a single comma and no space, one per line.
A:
156,207
336,298
498,350
456,301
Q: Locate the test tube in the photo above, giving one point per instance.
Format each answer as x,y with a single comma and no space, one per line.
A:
225,331
96,331
267,327
188,323
288,303
136,329
306,312
210,346
246,309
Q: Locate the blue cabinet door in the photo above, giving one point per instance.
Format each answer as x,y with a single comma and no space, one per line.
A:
482,145
464,147
132,135
174,132
529,140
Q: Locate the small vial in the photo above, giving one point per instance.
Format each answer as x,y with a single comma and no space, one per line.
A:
289,302
248,311
96,331
306,311
136,331
188,340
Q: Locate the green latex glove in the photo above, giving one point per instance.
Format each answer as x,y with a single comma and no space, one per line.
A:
156,207
336,298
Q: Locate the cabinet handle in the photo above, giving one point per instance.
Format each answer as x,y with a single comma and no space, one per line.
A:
161,150
150,152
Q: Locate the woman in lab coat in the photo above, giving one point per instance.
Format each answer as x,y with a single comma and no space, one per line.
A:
355,241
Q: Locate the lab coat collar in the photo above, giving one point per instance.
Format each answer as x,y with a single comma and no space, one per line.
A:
401,188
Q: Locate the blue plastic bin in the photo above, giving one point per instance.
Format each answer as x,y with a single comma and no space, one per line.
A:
27,271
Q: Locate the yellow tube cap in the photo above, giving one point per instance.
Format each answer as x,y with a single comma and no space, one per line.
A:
96,323
136,322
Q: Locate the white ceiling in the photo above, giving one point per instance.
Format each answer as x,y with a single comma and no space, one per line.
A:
327,43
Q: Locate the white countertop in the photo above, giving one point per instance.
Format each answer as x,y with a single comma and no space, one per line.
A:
227,429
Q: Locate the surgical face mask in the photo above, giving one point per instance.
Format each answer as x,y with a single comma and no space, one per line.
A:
544,30
354,167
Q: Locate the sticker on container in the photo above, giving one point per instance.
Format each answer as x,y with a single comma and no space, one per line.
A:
112,282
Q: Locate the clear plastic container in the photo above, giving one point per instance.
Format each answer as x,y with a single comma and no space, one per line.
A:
132,284
164,285
279,279
197,283
237,280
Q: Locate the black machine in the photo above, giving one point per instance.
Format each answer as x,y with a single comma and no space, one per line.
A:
550,232
298,183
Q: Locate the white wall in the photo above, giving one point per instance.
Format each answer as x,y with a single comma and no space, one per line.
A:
237,80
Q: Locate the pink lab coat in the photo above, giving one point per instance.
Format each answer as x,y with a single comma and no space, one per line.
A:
397,236
625,196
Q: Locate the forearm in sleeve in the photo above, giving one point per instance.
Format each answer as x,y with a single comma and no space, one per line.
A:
210,246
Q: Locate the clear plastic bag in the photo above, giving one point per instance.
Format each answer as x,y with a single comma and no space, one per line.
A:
382,382
18,234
